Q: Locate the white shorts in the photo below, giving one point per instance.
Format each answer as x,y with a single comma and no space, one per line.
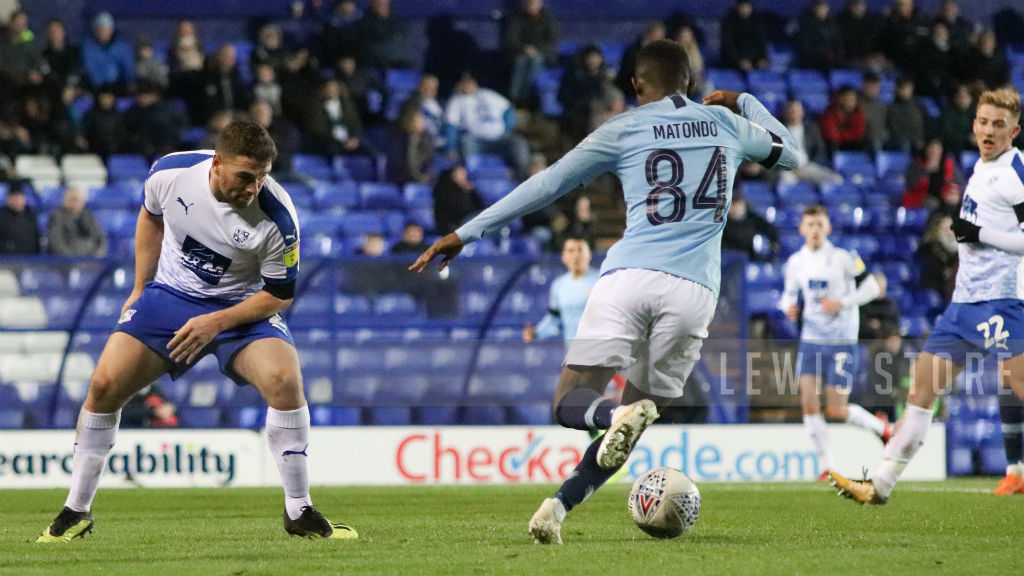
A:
649,325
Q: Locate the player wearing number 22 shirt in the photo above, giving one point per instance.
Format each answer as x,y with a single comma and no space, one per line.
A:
649,311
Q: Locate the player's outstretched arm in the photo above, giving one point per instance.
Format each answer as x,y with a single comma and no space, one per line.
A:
1012,242
149,236
199,331
781,146
448,246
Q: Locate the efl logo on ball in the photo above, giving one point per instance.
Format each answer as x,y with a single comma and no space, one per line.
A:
664,502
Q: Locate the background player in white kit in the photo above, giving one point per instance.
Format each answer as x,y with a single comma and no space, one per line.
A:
834,283
216,257
649,311
987,314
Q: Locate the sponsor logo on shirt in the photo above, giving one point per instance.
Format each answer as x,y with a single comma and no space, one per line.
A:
208,265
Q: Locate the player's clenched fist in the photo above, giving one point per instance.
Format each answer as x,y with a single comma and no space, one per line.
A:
726,98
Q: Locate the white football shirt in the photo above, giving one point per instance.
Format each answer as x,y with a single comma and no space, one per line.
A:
988,273
211,249
829,272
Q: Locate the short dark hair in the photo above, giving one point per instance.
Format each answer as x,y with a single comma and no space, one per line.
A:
246,138
664,63
815,209
577,237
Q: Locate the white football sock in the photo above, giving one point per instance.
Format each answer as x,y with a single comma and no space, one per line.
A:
902,448
1017,468
816,428
93,440
288,438
861,418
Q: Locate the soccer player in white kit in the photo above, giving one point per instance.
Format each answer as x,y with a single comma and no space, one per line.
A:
986,315
834,283
649,312
216,257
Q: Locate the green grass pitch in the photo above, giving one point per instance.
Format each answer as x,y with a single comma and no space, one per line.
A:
952,527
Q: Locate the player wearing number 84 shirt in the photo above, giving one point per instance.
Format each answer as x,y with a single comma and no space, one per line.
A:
650,309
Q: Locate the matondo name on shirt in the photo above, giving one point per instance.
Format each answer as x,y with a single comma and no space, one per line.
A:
695,129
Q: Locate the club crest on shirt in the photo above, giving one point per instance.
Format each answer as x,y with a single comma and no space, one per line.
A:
240,236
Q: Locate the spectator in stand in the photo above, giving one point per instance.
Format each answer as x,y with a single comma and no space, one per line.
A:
482,121
336,128
300,83
929,176
21,62
530,42
285,135
147,67
742,229
152,124
63,59
858,30
686,38
341,34
107,59
269,48
655,30
185,53
874,111
584,84
365,86
15,139
813,156
424,99
214,126
382,37
149,408
373,246
880,316
961,30
936,62
843,125
19,227
985,65
455,199
581,220
300,26
957,120
819,44
611,103
938,256
902,35
73,230
103,126
904,118
887,375
412,240
410,153
744,42
266,88
223,87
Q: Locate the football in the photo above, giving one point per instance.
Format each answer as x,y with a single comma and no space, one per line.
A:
664,502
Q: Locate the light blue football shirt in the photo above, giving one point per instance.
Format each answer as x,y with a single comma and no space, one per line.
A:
676,160
567,299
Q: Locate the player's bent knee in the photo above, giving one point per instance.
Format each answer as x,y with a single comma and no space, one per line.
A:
105,394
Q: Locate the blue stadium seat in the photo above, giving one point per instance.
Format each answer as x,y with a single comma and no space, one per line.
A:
726,79
483,415
915,326
301,194
772,100
780,56
837,195
759,195
315,225
401,81
486,166
899,272
418,195
50,197
814,102
118,195
375,195
312,166
352,307
127,167
399,304
206,417
844,77
797,194
12,414
856,166
766,274
437,415
548,79
357,224
312,310
359,168
867,247
41,280
424,217
911,220
333,195
762,300
538,414
612,52
784,218
967,160
891,162
930,105
494,189
791,242
807,82
766,81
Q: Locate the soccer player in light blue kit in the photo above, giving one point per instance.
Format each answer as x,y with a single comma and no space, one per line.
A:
987,313
568,294
649,311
